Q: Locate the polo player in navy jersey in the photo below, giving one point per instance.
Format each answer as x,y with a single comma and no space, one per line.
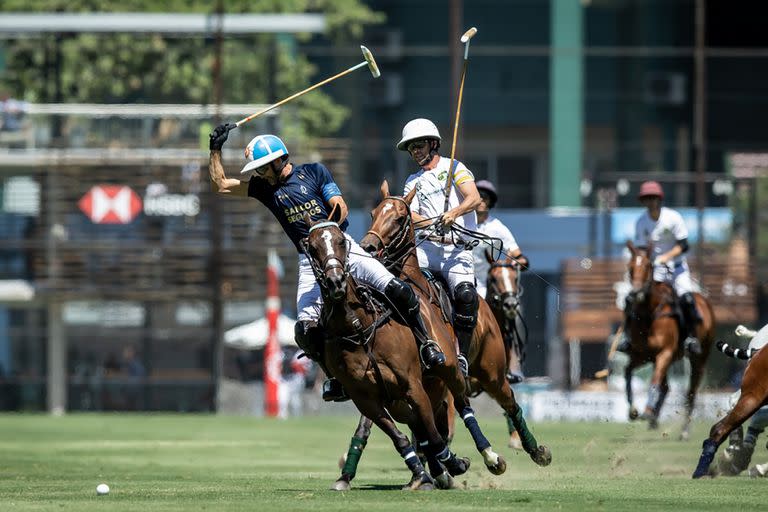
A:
291,192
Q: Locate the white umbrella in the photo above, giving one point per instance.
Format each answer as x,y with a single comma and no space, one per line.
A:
254,335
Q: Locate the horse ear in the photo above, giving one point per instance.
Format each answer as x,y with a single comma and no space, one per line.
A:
335,215
488,256
408,198
631,247
384,189
309,220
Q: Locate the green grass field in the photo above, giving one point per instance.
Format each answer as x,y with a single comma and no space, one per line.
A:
188,462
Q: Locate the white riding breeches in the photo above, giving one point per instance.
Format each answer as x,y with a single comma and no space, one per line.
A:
452,263
481,288
678,276
362,266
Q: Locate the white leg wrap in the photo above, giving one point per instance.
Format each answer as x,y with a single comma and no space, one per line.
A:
490,457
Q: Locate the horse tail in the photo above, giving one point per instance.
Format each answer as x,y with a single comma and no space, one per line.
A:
737,353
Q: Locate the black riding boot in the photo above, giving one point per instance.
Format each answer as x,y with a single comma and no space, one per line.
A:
309,337
464,320
692,320
407,304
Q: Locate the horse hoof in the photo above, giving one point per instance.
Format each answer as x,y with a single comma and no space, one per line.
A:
653,423
444,481
633,414
342,461
499,468
457,466
340,485
423,482
514,441
542,456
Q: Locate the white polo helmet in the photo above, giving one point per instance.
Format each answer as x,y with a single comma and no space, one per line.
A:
418,129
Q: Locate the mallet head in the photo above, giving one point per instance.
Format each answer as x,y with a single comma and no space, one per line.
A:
368,56
468,35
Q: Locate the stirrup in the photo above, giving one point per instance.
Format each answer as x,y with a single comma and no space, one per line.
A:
431,355
463,365
333,391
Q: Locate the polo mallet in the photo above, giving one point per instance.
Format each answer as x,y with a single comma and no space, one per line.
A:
369,61
465,38
600,374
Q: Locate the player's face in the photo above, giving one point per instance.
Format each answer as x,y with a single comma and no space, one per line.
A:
267,172
419,150
651,202
485,202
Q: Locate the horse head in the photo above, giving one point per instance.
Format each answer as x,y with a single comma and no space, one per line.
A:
640,270
391,230
327,249
504,284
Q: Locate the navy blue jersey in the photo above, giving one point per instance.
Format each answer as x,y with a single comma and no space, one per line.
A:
306,191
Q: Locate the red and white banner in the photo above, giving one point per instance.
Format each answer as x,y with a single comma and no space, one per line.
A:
110,204
273,356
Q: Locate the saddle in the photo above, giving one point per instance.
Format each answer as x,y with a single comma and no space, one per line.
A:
438,294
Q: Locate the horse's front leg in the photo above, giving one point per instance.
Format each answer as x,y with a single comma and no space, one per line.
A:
349,461
633,413
657,391
697,372
744,408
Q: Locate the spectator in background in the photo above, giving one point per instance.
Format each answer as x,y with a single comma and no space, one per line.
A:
134,369
293,384
11,112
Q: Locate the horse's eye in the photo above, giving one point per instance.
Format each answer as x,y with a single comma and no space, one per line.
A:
372,213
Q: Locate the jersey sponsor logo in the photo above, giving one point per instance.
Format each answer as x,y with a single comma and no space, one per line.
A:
304,190
442,176
296,213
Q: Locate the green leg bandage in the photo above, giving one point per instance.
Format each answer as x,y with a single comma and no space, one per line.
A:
510,424
356,447
529,442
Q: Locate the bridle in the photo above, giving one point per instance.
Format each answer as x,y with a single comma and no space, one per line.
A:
329,262
393,253
497,296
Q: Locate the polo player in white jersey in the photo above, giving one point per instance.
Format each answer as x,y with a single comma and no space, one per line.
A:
489,225
445,254
664,230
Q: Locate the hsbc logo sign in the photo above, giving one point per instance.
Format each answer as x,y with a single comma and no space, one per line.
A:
110,204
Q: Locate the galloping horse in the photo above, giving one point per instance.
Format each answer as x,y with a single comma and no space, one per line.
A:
392,238
753,395
654,338
376,360
503,297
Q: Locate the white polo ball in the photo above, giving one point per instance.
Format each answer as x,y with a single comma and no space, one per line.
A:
102,489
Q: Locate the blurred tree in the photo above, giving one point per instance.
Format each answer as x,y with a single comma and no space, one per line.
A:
152,68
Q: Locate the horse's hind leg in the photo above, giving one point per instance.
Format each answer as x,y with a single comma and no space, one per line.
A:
505,397
697,372
744,408
351,459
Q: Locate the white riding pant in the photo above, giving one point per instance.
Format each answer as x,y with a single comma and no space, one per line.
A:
454,264
481,288
362,266
678,276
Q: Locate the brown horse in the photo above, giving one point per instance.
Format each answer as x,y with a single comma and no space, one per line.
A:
375,358
655,338
392,239
503,297
753,396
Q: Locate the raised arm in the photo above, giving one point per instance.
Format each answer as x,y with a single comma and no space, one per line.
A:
219,181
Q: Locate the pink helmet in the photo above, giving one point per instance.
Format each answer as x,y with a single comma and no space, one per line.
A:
651,188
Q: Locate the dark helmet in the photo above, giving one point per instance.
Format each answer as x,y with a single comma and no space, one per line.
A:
488,187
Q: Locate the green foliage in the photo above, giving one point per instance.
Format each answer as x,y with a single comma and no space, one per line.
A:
150,68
